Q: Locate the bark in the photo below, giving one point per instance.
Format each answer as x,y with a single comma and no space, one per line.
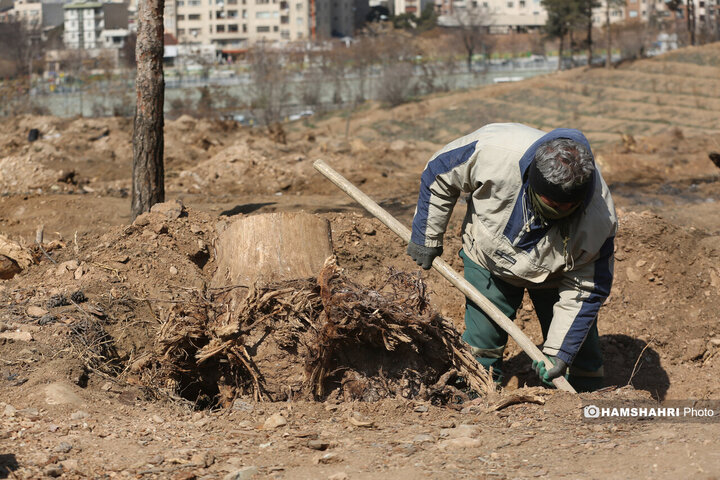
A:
589,40
148,170
272,248
608,61
560,52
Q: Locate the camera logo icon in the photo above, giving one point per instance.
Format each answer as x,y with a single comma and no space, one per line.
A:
591,411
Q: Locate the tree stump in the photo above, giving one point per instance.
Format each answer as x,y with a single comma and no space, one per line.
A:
271,248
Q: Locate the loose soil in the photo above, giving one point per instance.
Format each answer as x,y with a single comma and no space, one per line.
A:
99,333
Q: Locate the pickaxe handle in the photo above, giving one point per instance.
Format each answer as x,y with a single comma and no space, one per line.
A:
444,269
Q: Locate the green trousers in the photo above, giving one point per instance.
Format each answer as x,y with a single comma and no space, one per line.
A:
488,340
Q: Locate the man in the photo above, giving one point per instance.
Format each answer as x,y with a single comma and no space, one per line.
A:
539,217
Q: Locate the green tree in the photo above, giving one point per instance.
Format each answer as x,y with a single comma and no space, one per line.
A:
562,17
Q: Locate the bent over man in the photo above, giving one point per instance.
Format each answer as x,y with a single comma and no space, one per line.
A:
539,217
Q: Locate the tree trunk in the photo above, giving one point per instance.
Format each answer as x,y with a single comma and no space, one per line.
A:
560,52
691,20
608,46
272,247
589,39
148,170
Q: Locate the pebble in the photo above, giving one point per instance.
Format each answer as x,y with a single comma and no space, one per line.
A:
10,411
423,438
173,270
79,415
244,473
462,430
274,421
158,419
318,444
328,458
460,443
19,336
35,311
242,406
421,408
54,470
63,447
172,210
338,476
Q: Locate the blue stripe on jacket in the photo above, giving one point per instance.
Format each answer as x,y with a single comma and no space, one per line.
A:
441,164
587,315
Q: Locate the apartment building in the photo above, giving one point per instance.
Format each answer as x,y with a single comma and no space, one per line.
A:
35,13
234,25
84,22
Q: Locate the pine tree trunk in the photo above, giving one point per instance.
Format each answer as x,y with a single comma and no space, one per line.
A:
148,170
589,39
560,52
608,61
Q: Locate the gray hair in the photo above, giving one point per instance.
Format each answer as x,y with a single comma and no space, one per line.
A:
564,162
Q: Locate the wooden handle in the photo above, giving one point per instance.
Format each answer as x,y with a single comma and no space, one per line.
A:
444,269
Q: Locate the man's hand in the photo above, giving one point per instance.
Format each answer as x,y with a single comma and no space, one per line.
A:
422,255
558,369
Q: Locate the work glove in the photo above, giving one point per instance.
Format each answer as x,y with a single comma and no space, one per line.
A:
422,255
558,369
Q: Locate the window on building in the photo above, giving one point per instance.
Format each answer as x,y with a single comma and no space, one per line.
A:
193,3
521,3
232,28
194,32
262,15
220,14
299,20
244,27
509,4
285,35
194,16
180,3
263,29
232,2
299,7
232,14
633,1
633,13
244,14
275,28
285,19
701,4
181,31
284,5
220,28
181,18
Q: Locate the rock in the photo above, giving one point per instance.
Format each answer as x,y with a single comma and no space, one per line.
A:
3,327
632,275
79,415
421,408
715,341
30,413
242,406
423,438
173,270
459,443
640,263
63,447
54,470
274,421
10,411
244,473
338,476
172,210
203,459
470,431
65,267
19,336
157,419
318,445
61,394
157,459
328,458
35,311
142,220
70,465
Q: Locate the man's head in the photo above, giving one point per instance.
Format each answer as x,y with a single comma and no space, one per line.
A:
560,174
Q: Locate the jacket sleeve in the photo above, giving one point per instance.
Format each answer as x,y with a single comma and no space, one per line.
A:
583,290
447,174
